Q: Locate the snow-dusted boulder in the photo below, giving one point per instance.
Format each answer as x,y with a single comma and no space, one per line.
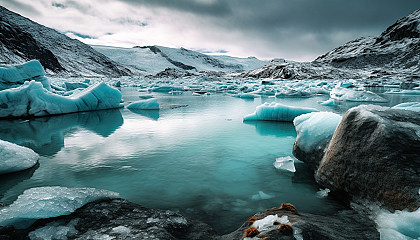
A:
148,104
32,100
374,154
15,158
355,95
314,132
15,75
412,106
277,112
47,202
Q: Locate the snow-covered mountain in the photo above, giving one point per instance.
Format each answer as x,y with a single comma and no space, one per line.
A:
394,53
155,59
22,39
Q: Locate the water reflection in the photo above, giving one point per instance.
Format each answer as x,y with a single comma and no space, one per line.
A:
7,181
152,114
273,128
46,135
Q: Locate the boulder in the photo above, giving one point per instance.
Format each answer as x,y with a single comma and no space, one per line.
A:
113,218
374,154
347,224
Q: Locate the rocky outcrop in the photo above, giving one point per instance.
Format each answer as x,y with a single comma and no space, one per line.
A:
22,39
345,225
374,154
116,219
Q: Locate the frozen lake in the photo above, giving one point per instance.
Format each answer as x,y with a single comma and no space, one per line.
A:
195,156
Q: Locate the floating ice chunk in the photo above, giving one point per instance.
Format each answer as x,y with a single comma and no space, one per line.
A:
355,95
149,104
405,92
398,225
54,231
277,112
246,95
329,102
285,163
31,99
322,193
292,93
313,129
261,196
268,222
412,106
14,75
75,85
15,158
46,202
166,89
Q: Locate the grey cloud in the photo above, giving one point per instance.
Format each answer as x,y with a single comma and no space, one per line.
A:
25,8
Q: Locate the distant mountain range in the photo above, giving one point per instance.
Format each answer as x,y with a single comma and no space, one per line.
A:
395,53
155,59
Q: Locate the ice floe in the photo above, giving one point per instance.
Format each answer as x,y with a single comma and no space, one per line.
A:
277,112
148,104
15,158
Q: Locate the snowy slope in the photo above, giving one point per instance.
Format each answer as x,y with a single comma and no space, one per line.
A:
395,53
22,39
155,59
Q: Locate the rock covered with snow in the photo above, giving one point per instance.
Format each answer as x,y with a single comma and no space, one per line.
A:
277,112
314,132
15,158
16,75
32,100
305,226
148,104
374,154
116,219
47,202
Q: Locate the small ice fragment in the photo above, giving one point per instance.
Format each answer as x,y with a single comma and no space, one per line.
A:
285,163
322,193
261,196
268,222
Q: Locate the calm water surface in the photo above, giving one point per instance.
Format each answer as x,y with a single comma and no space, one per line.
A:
199,159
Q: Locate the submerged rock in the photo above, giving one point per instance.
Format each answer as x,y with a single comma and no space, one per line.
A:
374,154
114,219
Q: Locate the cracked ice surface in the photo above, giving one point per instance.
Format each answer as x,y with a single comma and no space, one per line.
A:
46,202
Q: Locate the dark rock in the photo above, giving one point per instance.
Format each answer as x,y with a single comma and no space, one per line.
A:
344,225
312,158
120,219
408,85
374,154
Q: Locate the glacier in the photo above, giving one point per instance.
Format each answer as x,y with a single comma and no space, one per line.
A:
277,112
15,158
313,129
33,100
148,104
46,202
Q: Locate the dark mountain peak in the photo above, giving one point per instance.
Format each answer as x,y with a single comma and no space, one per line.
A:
406,27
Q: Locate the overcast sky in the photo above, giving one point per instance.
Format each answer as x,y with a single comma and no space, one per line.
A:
297,30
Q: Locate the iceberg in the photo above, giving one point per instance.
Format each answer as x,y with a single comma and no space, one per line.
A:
355,95
32,100
46,202
15,158
15,75
149,104
314,129
277,112
285,163
412,106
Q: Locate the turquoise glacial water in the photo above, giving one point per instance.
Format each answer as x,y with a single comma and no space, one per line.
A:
201,159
